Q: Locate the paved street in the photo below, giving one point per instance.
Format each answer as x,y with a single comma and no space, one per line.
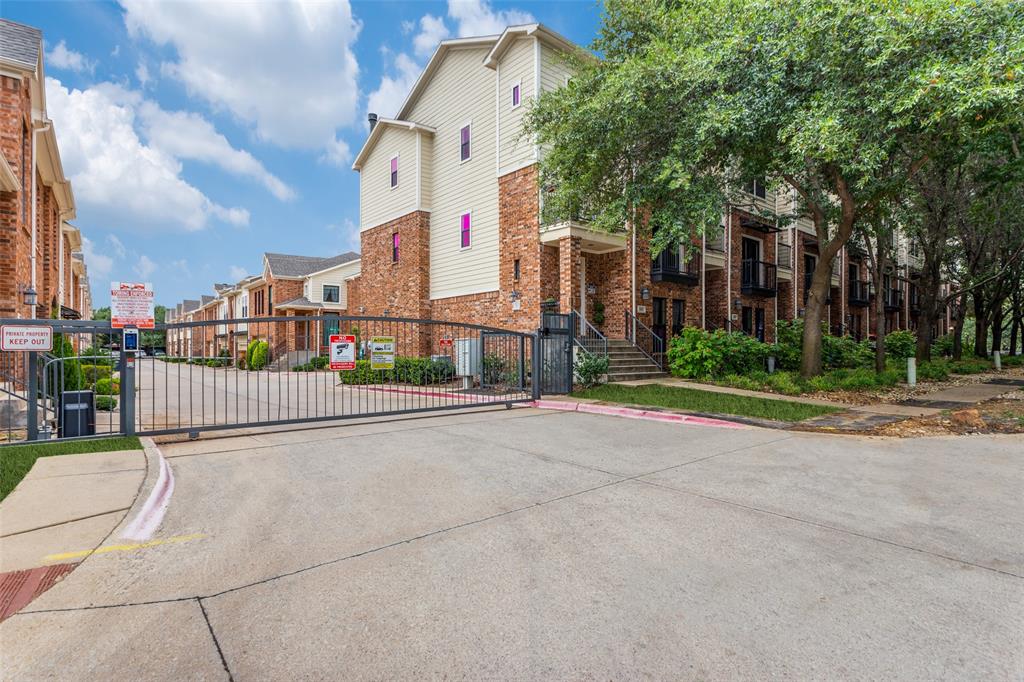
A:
528,544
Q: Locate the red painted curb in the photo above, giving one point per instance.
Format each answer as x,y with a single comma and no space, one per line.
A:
633,413
19,588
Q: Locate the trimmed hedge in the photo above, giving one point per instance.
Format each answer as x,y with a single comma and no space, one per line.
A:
416,371
93,373
256,354
108,387
106,403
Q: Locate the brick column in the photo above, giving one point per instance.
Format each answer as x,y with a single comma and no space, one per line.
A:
568,274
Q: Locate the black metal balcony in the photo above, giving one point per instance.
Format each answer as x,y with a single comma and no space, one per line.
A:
858,292
758,278
915,300
667,268
893,299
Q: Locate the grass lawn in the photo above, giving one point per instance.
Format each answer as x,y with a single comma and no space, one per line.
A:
16,460
705,401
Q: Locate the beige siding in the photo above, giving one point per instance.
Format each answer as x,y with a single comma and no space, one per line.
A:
518,65
426,170
314,285
462,91
553,69
378,201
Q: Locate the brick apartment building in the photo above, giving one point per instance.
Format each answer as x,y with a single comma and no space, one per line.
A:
450,219
39,248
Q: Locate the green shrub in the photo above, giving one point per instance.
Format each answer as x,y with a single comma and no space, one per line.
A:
590,369
825,382
92,373
108,386
417,371
843,351
700,354
790,341
256,354
71,367
1013,360
106,403
936,370
900,344
741,381
858,380
970,366
785,383
320,362
943,346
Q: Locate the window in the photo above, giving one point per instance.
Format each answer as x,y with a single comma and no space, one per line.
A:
756,187
270,299
515,270
396,241
515,95
464,149
394,172
332,293
465,230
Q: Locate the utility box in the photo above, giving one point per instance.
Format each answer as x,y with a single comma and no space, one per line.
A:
467,356
77,414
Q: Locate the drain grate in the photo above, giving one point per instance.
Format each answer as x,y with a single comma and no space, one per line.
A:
18,588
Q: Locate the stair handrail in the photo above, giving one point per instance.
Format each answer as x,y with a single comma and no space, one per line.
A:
645,334
590,340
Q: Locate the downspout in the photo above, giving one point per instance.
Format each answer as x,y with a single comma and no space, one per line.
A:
632,276
35,229
728,268
703,279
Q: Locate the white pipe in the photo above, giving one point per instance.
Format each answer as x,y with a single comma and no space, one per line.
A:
728,268
35,229
632,271
703,278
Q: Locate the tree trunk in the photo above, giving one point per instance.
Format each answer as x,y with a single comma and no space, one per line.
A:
958,328
878,308
1014,334
980,325
810,361
997,328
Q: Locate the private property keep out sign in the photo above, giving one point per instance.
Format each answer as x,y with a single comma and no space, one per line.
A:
131,305
24,337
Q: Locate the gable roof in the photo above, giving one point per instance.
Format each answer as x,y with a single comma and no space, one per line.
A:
378,130
542,32
285,265
435,62
20,44
189,305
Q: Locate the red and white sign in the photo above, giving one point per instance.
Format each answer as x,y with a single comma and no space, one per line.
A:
131,305
25,337
343,351
445,342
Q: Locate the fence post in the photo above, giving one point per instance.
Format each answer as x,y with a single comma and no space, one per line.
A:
127,392
538,367
522,362
32,416
570,348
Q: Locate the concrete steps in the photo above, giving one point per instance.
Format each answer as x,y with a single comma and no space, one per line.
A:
626,362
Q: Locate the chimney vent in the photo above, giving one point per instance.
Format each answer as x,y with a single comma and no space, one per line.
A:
373,121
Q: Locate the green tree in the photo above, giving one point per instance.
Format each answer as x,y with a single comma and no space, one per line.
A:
829,99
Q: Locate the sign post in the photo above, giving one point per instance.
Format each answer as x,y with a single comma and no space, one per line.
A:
131,305
343,352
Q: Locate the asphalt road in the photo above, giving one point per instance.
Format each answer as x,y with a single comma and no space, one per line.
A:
526,544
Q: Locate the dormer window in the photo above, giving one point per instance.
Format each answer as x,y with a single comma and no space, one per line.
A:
516,94
464,148
394,172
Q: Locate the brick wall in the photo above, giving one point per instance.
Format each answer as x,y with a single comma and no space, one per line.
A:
15,213
519,239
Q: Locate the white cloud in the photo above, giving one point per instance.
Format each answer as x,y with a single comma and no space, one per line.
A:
117,246
126,184
145,267
237,273
286,68
142,73
100,265
337,153
393,89
408,27
432,31
60,57
348,235
478,18
116,52
186,135
181,267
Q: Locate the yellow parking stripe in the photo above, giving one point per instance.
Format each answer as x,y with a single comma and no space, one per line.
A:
123,548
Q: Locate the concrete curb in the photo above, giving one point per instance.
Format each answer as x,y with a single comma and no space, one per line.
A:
147,516
636,413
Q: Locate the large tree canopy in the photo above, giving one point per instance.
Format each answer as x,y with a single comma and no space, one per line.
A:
841,100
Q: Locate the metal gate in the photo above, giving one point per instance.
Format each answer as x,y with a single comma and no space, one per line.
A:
237,373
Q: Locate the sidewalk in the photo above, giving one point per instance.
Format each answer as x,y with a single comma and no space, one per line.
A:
66,503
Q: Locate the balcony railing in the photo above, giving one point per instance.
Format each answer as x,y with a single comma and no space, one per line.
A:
758,277
667,268
893,299
915,300
859,292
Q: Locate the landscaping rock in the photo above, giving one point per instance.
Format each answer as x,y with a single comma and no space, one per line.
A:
970,418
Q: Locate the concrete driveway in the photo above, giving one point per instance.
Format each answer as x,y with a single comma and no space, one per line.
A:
528,544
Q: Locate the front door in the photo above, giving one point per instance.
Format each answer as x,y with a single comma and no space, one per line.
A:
751,249
678,316
658,325
759,324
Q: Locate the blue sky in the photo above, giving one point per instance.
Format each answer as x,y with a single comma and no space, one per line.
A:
198,135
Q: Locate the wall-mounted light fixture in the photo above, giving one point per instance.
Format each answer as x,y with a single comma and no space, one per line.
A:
29,296
737,304
591,289
645,294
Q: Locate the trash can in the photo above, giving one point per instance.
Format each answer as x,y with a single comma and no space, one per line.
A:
78,414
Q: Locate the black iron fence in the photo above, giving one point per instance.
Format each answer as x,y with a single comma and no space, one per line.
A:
645,339
758,277
221,374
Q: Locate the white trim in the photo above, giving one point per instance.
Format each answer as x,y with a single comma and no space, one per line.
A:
466,291
425,209
398,164
536,90
434,63
419,168
497,120
378,130
760,247
519,166
323,299
461,215
512,94
467,124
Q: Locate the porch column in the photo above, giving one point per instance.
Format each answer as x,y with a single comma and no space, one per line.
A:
568,274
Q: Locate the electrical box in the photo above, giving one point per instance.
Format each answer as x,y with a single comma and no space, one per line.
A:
467,356
131,339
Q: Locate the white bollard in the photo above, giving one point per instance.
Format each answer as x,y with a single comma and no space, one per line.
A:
998,360
912,372
771,364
